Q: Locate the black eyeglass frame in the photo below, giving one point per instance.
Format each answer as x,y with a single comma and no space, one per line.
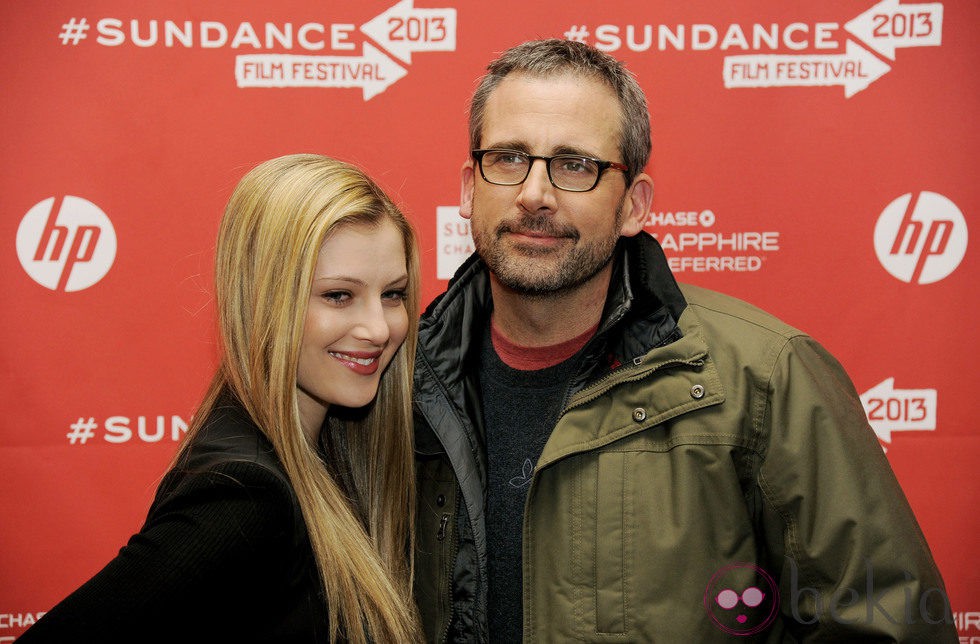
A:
602,166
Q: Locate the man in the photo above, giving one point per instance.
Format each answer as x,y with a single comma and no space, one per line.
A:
606,456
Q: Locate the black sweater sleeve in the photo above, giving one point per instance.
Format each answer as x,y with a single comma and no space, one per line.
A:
213,543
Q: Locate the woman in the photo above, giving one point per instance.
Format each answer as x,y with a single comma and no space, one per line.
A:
287,514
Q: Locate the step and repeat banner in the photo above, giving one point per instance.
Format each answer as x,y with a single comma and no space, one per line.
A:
816,159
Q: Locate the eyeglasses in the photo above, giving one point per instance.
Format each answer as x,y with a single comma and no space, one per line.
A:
570,172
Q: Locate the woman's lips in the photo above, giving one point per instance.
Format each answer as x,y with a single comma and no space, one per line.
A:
362,362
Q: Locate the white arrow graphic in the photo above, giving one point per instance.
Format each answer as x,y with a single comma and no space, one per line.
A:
898,410
854,70
402,29
372,71
889,25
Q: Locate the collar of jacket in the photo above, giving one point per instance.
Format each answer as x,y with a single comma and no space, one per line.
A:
641,312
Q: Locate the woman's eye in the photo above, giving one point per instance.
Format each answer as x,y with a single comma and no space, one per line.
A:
397,295
337,297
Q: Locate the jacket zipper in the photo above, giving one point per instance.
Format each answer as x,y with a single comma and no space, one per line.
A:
602,385
453,553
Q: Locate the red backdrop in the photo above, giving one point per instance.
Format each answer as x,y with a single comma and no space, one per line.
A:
817,160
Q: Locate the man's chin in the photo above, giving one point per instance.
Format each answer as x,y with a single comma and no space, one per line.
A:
544,274
533,279
532,250
535,241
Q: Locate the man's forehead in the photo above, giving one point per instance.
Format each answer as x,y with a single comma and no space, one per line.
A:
571,113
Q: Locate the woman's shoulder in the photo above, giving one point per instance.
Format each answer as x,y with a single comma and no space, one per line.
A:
228,435
229,449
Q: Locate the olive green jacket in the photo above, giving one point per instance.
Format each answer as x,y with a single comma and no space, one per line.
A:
705,447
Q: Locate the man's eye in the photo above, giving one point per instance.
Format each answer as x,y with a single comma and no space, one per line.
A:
508,158
575,166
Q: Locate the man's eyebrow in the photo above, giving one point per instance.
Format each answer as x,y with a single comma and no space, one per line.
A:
570,149
520,146
510,145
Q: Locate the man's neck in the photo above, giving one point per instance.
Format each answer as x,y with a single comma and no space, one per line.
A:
541,321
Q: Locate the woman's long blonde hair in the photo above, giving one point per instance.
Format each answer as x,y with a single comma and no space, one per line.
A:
361,527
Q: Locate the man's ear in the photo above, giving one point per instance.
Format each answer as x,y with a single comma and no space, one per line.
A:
466,176
636,206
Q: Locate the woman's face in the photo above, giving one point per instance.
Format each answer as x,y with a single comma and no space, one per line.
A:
356,319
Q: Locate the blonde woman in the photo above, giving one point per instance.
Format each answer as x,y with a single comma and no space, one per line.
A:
287,514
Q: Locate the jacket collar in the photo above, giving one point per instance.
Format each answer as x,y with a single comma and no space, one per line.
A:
644,301
641,312
640,275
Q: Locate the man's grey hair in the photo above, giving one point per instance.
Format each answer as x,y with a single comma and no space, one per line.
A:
554,57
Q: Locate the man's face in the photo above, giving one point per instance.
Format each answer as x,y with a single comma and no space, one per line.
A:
535,238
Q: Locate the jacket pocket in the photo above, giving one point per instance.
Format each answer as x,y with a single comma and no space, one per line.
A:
435,541
612,543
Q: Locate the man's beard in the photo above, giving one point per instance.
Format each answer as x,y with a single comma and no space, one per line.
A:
569,268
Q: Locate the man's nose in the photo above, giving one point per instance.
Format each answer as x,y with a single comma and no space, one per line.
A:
537,193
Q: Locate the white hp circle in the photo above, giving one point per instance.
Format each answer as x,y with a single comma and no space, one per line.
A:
66,248
921,238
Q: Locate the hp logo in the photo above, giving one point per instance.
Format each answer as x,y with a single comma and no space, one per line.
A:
66,244
920,238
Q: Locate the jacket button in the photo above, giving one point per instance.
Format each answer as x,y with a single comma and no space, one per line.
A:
697,391
639,414
441,500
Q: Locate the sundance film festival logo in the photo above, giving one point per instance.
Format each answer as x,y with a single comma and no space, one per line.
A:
920,238
66,244
400,31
